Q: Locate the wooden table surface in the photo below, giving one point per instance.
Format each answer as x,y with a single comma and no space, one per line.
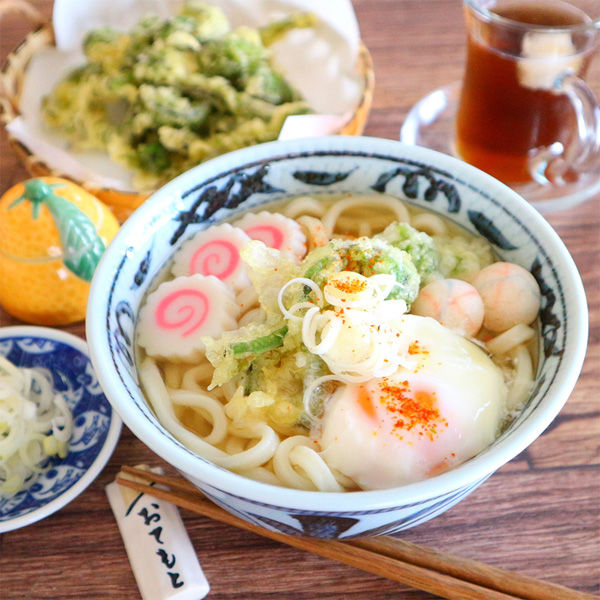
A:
538,515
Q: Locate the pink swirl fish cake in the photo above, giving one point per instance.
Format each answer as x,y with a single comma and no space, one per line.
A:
214,251
275,231
179,312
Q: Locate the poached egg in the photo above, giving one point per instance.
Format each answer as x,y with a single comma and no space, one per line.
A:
435,411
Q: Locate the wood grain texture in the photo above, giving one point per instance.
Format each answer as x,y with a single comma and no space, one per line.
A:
538,515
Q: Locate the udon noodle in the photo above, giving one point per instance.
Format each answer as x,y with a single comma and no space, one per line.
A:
371,345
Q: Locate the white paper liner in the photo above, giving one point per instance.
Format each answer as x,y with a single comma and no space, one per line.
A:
319,63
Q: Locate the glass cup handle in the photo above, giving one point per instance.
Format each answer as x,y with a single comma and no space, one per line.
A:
582,154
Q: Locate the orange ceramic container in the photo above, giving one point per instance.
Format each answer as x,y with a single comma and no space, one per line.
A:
52,233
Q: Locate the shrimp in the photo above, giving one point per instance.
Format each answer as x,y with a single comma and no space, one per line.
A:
510,295
456,304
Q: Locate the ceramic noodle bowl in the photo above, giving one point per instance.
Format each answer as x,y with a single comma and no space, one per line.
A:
227,187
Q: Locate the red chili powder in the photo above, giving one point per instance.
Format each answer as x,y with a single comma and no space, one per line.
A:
416,348
352,286
353,265
412,410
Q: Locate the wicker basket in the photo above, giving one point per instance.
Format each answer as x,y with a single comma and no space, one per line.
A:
123,204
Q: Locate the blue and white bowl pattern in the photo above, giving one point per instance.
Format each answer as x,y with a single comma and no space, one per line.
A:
334,524
250,178
96,426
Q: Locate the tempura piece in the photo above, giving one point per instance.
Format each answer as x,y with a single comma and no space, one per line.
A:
172,93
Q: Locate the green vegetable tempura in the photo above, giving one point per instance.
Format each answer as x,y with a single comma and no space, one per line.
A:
170,94
367,256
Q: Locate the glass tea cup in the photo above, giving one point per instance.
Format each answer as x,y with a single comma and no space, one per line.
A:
525,113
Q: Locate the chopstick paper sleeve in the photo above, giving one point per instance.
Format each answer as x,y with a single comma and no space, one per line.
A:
163,560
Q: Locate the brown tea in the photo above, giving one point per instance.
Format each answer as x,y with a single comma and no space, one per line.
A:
508,110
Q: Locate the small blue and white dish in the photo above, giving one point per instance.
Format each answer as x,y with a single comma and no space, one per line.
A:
224,187
96,426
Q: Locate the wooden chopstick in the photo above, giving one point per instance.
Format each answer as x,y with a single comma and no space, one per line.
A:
422,568
417,577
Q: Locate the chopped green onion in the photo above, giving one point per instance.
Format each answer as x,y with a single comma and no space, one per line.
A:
261,344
